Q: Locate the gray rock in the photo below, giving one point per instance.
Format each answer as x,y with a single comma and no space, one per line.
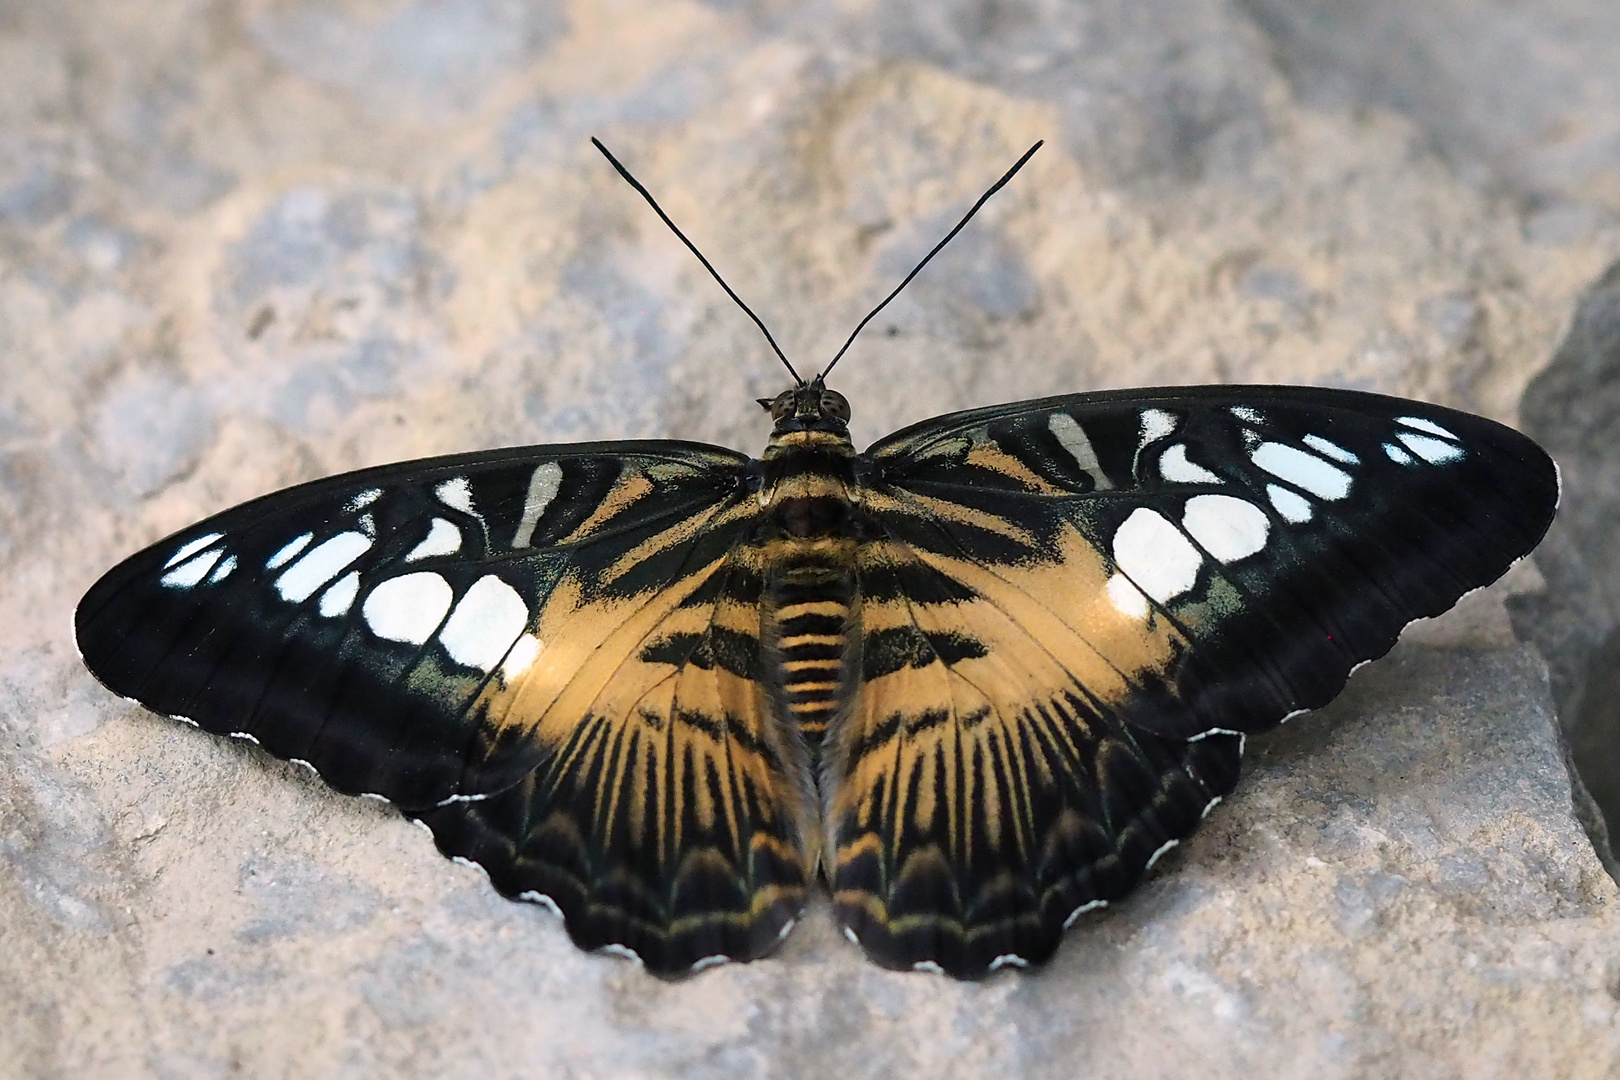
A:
1573,408
243,245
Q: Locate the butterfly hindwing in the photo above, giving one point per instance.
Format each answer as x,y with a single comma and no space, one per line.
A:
670,816
984,792
1079,604
549,655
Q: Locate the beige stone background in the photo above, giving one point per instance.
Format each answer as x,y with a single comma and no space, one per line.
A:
249,242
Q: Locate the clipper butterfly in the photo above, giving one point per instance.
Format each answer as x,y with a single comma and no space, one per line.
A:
976,678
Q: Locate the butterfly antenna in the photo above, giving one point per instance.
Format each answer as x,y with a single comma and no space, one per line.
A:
997,186
659,210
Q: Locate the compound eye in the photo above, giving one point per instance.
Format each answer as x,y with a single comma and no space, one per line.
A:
783,405
836,404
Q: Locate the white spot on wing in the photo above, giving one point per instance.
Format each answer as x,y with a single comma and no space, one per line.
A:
189,573
443,538
1174,466
1156,424
222,571
543,487
1202,735
323,563
456,493
1090,905
1246,414
1399,456
1243,740
539,898
1212,804
460,861
1164,849
615,949
1155,555
1228,528
288,550
710,961
408,608
190,548
1008,960
1426,425
1294,507
1127,597
485,624
525,651
362,499
1072,437
1303,470
1434,451
340,597
928,967
1331,449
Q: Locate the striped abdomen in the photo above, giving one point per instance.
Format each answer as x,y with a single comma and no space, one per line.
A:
807,608
808,487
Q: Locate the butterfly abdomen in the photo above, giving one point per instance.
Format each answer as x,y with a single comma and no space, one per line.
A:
810,586
807,608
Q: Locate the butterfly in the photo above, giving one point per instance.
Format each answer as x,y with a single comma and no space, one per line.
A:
976,679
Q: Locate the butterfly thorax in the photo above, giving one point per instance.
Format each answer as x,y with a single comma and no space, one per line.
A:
806,545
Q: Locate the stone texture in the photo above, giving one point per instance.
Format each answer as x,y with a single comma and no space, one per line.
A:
249,242
1573,407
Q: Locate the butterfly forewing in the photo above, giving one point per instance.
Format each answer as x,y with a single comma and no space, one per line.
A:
1287,532
550,655
1082,602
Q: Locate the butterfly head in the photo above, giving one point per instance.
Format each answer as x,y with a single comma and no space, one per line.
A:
811,407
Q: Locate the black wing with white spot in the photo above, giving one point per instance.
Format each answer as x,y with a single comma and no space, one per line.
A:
517,647
1079,605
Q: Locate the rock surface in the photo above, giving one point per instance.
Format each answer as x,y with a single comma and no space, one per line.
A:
247,243
1573,408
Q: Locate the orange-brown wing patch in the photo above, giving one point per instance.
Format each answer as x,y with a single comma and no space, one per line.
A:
986,787
668,815
652,799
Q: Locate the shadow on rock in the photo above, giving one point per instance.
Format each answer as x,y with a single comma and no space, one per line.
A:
1573,409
